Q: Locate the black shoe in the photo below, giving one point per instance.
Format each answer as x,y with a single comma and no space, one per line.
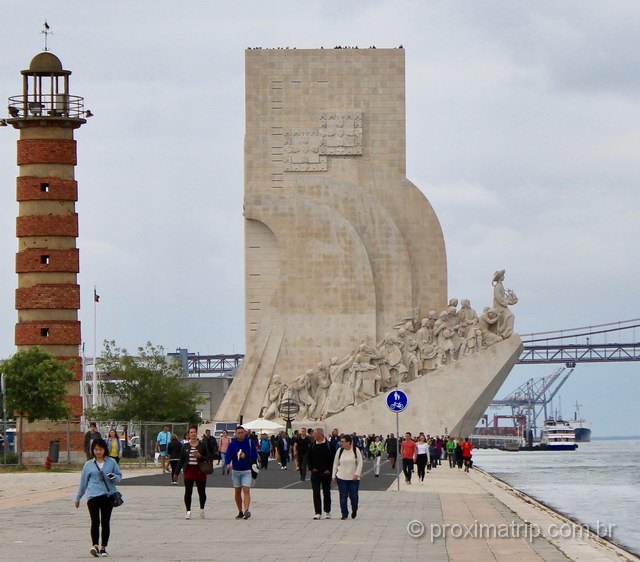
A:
377,475
247,514
353,514
343,517
240,515
95,551
103,552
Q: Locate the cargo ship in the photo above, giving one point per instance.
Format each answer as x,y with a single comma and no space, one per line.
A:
580,427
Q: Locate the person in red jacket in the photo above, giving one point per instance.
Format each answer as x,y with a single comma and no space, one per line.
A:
408,451
467,447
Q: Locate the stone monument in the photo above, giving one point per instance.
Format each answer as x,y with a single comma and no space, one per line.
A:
345,263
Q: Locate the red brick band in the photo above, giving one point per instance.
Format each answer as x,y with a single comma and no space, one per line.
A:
46,189
48,333
54,296
47,151
47,225
43,259
35,441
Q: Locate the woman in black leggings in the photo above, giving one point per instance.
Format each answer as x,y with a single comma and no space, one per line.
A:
174,450
99,477
422,456
193,453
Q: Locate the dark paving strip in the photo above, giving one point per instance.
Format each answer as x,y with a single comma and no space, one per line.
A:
273,477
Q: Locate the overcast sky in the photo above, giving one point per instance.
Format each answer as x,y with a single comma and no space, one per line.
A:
523,131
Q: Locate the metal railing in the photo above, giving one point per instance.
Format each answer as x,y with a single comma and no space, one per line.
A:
37,106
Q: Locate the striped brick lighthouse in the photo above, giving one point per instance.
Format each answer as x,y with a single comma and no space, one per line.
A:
47,262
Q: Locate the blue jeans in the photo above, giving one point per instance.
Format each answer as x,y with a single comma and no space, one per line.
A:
348,488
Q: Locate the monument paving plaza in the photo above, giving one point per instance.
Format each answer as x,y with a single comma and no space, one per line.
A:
38,521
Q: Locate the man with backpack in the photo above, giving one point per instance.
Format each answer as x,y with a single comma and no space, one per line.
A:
320,463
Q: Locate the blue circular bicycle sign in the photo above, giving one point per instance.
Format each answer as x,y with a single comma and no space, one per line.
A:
397,401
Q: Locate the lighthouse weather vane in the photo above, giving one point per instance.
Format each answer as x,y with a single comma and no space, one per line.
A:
46,31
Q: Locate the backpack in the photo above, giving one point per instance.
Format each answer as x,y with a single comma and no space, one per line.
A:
352,448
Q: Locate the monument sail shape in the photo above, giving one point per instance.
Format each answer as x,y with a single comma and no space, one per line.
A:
340,247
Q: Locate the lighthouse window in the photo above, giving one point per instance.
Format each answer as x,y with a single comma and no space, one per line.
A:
44,187
44,332
44,260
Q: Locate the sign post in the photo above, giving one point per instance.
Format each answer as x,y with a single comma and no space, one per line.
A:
397,402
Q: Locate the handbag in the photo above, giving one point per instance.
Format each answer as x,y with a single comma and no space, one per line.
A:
115,498
206,467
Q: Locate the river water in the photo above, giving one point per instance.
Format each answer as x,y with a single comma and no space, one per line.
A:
597,483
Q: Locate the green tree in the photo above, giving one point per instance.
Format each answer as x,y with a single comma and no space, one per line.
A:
35,383
148,387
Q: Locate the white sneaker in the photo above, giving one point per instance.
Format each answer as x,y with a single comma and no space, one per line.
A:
327,515
188,515
202,514
317,516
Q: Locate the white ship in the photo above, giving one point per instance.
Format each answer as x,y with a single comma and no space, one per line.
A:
580,427
558,435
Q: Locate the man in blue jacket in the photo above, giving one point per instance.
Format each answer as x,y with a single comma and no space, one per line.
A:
241,454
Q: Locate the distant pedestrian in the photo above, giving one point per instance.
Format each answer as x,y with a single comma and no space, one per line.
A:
457,453
162,442
392,450
282,444
241,454
423,456
347,467
174,450
114,446
301,448
89,437
264,451
433,461
376,448
467,447
320,462
193,453
408,448
211,443
451,449
223,443
98,479
334,441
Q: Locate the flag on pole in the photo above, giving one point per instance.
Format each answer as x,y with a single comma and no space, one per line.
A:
96,296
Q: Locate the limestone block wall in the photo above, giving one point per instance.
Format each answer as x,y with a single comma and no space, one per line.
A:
339,245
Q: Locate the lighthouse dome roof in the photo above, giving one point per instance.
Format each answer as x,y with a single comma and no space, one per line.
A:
45,62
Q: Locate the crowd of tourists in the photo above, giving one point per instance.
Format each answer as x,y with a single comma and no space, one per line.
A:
335,458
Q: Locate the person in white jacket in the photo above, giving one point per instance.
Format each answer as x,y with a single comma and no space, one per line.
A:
347,467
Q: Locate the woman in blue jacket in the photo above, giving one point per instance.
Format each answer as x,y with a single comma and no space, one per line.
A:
98,479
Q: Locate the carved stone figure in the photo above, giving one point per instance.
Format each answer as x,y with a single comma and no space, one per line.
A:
323,380
489,327
466,313
502,299
300,393
409,348
365,376
273,398
340,394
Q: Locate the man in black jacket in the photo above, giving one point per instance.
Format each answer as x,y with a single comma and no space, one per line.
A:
320,463
301,445
392,450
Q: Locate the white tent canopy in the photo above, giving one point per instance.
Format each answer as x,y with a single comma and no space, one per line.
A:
261,425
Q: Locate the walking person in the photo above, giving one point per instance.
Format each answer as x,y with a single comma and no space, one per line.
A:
347,467
320,463
99,476
223,443
301,452
174,450
458,453
194,452
264,451
241,454
211,444
392,450
423,456
89,437
162,442
433,462
114,446
282,444
376,448
451,449
467,447
408,451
